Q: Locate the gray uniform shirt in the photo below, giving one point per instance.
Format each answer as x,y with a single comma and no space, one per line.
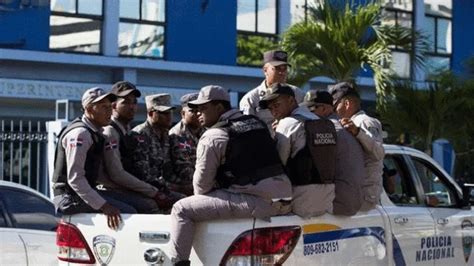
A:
76,144
249,103
308,200
350,171
211,154
118,178
370,137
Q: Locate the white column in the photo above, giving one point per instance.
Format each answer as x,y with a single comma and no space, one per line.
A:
110,28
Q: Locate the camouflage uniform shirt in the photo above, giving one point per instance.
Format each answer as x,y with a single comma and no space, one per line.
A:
150,154
183,145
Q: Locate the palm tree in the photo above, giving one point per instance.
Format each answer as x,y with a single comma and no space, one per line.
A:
338,42
433,112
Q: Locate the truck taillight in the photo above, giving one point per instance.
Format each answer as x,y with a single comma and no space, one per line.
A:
72,245
262,246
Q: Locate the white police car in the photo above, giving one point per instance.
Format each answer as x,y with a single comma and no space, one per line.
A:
423,221
27,226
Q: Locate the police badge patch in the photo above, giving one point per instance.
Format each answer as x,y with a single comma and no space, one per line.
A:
467,238
104,247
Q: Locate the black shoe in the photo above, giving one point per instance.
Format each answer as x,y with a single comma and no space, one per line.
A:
183,263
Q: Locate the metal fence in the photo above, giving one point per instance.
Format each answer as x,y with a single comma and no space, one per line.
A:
23,152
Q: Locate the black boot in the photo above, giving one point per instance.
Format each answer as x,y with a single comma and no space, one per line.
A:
183,263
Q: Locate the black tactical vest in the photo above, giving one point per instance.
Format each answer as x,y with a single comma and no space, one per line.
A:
316,162
251,153
92,163
124,148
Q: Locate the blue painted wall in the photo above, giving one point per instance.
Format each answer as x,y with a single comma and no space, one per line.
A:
463,33
201,31
24,26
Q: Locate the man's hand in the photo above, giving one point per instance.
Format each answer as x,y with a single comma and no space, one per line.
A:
350,126
275,124
166,200
113,216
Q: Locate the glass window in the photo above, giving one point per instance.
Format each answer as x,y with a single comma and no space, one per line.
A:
91,7
442,8
29,211
257,27
3,221
298,11
443,33
75,26
399,4
267,16
141,40
258,16
246,15
401,64
435,64
436,193
141,29
74,34
429,31
68,6
397,182
130,9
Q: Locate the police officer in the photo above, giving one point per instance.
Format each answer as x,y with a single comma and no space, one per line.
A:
313,188
368,132
350,169
184,138
79,161
238,172
141,195
275,68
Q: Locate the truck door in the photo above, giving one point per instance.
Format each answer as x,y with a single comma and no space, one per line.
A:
411,222
454,225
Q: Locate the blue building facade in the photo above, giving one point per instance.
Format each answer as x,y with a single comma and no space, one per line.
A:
55,49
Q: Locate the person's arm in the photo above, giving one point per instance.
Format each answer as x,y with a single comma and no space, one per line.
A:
246,105
370,137
289,136
114,167
76,144
209,155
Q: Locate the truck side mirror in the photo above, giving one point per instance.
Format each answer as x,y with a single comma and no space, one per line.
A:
468,194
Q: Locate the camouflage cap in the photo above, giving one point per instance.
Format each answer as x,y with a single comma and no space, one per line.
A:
94,95
160,102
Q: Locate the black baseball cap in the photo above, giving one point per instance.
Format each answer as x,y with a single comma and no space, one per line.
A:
276,90
124,88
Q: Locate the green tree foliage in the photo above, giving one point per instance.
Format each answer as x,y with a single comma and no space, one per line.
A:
338,42
251,48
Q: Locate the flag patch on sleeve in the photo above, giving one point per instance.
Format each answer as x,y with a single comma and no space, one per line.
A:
75,142
111,145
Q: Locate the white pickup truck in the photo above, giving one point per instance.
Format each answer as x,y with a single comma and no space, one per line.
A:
423,221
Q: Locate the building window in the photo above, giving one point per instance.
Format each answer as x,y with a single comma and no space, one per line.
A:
438,26
300,9
76,26
399,13
142,28
257,27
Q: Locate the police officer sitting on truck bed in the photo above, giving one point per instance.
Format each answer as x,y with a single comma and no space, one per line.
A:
307,147
79,162
238,173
